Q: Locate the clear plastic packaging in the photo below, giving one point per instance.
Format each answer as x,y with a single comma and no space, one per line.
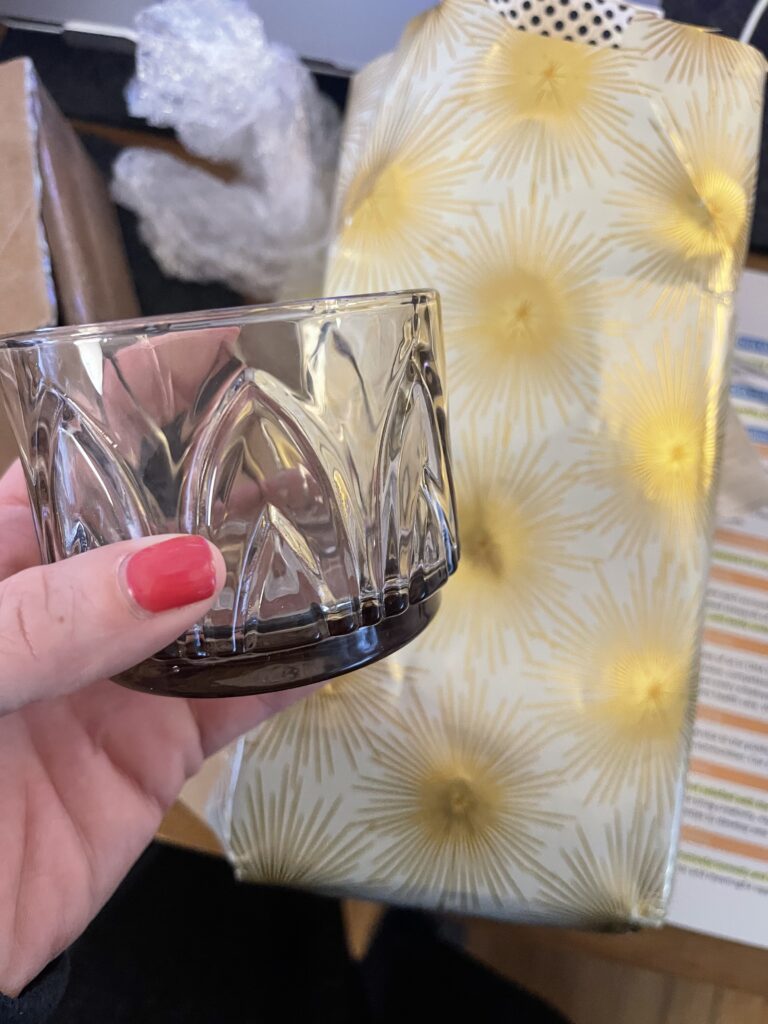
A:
206,69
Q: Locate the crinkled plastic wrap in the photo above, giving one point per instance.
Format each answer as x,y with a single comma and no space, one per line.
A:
206,68
578,186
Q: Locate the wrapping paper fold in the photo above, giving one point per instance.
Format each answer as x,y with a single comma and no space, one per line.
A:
582,201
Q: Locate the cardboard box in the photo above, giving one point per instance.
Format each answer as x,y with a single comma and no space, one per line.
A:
61,252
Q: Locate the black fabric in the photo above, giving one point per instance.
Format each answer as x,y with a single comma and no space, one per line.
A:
412,975
181,942
36,1004
730,16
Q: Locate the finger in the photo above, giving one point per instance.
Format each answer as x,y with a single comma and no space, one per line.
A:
65,625
19,549
13,487
221,721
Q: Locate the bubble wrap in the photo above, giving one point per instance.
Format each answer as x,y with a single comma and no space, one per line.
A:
206,69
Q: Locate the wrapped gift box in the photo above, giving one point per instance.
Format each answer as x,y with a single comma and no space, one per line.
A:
576,178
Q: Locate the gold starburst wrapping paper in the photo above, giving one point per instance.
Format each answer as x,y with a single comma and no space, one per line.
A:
581,199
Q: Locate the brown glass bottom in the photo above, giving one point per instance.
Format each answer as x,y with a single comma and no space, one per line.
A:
266,672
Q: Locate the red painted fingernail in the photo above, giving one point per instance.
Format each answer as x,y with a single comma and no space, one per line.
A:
171,574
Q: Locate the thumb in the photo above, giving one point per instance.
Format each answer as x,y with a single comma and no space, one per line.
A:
65,625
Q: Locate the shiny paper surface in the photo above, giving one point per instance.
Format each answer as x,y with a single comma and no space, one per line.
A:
583,210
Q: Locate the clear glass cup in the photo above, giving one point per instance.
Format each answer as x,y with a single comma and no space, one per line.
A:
307,441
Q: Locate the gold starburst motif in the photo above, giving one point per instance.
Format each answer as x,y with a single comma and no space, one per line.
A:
548,103
518,541
686,213
622,677
523,314
621,880
655,452
278,839
456,801
445,30
327,731
696,55
401,205
365,95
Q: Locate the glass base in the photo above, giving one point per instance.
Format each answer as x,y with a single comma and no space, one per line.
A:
268,671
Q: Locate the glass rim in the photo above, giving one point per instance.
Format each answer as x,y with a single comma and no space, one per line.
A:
229,316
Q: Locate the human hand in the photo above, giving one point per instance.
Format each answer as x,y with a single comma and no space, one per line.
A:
87,768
